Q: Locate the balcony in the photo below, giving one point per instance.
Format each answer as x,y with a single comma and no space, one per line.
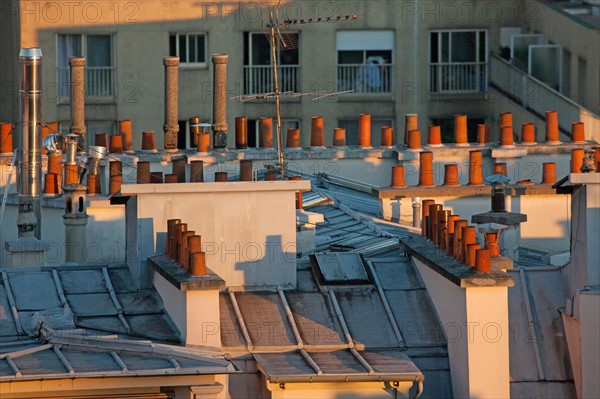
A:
365,79
259,79
458,78
537,97
99,82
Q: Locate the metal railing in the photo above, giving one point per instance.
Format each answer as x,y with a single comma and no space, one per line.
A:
363,78
538,98
471,77
259,79
99,82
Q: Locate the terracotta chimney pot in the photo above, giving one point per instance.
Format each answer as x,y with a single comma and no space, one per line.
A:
196,171
221,177
93,184
460,130
317,134
116,144
425,214
293,138
451,175
577,155
458,237
241,132
411,122
469,236
6,138
433,222
491,244
528,133
339,137
101,140
398,179
265,127
426,169
500,168
171,178
364,131
482,261
577,132
387,136
434,138
116,177
552,136
51,184
148,142
198,265
246,170
506,136
71,174
414,140
483,133
126,131
506,119
549,173
475,168
470,254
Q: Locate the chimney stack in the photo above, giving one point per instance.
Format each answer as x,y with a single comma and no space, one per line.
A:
219,126
75,219
29,182
77,65
171,125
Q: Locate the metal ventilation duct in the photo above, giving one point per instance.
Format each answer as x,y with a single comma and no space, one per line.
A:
30,143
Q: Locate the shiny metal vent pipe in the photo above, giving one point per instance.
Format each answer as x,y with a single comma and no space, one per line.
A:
30,143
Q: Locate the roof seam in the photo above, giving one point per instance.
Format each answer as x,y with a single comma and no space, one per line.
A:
115,300
240,320
340,315
12,303
290,317
536,348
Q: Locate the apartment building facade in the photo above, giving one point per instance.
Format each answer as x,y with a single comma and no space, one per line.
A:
387,58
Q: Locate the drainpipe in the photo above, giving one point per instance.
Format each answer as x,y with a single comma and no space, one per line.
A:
416,205
29,180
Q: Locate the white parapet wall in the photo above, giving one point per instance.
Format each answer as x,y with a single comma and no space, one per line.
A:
248,229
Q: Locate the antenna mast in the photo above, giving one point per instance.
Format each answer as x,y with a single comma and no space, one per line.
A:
280,156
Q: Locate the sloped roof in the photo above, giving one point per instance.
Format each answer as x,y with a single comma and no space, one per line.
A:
70,355
97,298
539,358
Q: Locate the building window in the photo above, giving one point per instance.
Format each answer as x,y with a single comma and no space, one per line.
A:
458,61
258,64
351,126
99,68
189,47
365,61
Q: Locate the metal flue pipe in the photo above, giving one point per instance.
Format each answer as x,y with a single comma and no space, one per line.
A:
30,143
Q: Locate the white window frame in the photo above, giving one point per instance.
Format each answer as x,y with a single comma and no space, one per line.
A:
365,41
484,63
187,44
84,35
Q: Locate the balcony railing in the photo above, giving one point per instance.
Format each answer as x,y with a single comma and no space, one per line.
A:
259,79
363,78
458,78
99,82
538,98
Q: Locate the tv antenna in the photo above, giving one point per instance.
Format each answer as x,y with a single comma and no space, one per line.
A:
288,41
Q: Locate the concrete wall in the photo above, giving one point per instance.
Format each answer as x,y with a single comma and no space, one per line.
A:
105,233
475,321
248,229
